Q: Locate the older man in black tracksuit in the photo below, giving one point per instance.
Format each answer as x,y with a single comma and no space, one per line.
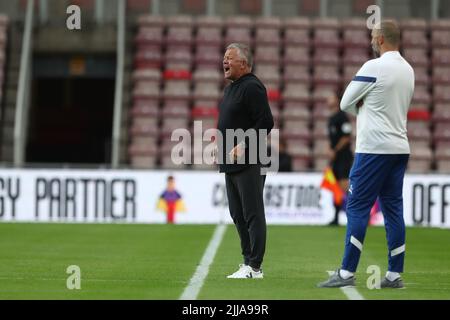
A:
244,106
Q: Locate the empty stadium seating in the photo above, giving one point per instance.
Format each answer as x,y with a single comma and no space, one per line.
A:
178,79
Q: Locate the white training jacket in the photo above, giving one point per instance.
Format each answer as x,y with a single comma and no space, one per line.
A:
386,86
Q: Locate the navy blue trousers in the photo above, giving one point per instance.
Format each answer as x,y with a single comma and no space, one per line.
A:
372,176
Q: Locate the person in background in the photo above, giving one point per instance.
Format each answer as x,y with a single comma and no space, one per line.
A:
340,153
379,95
244,107
284,158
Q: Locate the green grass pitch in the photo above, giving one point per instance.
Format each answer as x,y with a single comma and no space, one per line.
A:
157,262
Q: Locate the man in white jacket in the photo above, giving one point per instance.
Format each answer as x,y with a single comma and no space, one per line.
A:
379,95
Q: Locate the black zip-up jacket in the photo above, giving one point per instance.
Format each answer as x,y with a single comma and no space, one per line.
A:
244,106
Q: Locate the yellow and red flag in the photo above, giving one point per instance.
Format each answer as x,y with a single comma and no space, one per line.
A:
329,182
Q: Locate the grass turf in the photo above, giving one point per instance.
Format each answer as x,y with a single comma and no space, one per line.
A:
157,262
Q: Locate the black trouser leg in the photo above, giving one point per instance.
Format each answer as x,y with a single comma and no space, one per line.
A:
337,209
237,214
249,217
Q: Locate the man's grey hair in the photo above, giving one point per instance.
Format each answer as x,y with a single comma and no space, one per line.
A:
390,31
244,52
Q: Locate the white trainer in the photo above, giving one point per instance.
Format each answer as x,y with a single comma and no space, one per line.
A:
245,271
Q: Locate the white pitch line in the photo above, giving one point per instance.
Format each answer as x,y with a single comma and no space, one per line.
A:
195,284
350,292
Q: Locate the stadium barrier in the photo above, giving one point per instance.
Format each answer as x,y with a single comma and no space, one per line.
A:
125,196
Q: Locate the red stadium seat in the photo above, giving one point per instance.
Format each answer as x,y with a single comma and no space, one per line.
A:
296,55
296,129
441,112
177,90
149,36
240,21
267,55
146,90
145,110
297,37
298,148
441,56
182,21
179,36
326,56
416,56
148,57
210,56
268,22
421,75
178,57
349,73
175,109
211,36
356,38
326,75
321,111
440,24
209,22
441,74
326,23
441,131
419,130
296,92
298,23
238,34
442,152
419,166
294,110
152,21
414,38
357,24
423,115
208,75
206,91
326,38
414,24
297,73
440,38
269,75
264,35
355,56
421,96
320,130
321,147
171,124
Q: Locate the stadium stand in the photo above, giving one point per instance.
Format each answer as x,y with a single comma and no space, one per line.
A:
178,79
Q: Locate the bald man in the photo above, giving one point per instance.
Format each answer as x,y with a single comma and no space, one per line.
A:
379,95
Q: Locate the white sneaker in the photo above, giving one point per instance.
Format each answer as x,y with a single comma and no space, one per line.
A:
245,271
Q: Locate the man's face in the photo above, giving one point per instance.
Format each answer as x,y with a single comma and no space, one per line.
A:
170,185
376,42
233,64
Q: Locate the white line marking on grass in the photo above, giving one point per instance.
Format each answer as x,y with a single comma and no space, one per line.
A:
195,284
350,292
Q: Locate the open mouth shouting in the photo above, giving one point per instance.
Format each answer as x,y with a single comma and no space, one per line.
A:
226,70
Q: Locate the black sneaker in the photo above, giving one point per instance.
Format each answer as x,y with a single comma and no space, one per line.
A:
336,281
396,284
